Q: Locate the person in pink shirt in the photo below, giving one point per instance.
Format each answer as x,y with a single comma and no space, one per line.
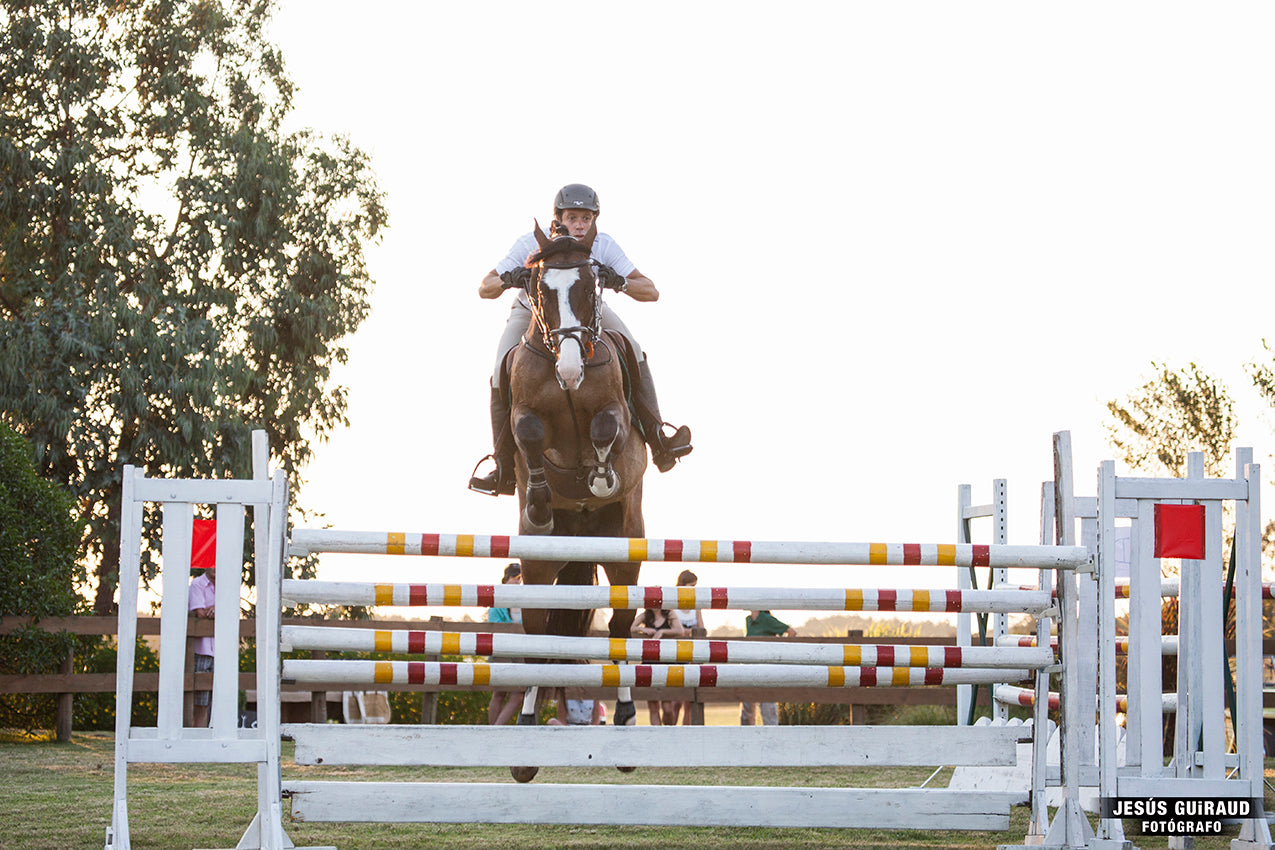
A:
203,595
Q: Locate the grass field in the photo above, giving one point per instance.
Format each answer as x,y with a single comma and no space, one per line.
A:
58,797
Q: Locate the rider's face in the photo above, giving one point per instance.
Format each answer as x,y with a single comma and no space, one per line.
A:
577,222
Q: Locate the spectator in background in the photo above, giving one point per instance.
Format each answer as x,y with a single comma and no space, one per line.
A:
513,575
758,624
505,704
202,604
575,710
659,624
689,620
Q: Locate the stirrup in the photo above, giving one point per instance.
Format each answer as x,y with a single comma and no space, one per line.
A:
493,483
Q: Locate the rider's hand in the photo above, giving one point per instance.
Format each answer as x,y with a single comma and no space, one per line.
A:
515,278
611,279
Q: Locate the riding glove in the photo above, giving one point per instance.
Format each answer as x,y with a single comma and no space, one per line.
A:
611,279
515,278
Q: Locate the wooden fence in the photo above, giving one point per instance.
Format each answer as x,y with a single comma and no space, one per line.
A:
65,683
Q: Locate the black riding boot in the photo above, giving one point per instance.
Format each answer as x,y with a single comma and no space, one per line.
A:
501,481
665,449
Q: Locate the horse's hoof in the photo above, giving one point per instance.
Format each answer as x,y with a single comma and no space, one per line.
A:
530,526
604,486
625,714
625,769
523,774
527,720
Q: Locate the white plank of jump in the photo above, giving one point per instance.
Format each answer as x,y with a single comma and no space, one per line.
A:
681,746
201,492
1182,488
648,805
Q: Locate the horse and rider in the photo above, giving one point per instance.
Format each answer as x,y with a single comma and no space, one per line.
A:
575,210
573,410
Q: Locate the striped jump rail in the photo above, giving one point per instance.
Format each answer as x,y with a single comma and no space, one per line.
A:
1169,589
583,597
618,549
1014,695
1168,643
336,672
667,651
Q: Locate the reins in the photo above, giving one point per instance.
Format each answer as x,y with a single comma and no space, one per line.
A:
584,336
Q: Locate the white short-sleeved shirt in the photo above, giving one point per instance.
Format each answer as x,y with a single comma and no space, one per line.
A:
605,251
203,594
579,712
689,619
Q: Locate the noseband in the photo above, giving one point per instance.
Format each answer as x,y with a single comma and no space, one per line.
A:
584,336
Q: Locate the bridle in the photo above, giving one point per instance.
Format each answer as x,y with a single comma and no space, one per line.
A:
584,336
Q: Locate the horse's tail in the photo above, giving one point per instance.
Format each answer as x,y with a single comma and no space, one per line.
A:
559,621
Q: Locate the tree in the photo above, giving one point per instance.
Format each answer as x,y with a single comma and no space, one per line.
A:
1171,414
39,538
175,268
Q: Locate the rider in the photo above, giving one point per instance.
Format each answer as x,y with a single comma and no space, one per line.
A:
575,209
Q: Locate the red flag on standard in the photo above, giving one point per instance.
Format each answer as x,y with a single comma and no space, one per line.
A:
203,549
1179,531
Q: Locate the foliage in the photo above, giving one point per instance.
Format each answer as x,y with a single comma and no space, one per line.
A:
467,708
97,711
1171,414
814,714
872,625
39,539
1263,375
175,268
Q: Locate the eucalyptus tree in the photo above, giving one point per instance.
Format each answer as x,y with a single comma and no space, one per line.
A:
1175,412
176,266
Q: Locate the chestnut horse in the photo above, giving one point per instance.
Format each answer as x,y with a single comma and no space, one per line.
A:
580,459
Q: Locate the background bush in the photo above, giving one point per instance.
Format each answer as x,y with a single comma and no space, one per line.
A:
39,543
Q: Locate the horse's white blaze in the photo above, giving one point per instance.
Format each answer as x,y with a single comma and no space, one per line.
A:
570,357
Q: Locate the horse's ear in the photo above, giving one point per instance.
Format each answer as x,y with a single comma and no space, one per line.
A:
541,239
587,241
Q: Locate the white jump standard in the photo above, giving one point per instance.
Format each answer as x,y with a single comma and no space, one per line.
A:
628,663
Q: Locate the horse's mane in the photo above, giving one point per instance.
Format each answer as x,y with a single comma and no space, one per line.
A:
560,246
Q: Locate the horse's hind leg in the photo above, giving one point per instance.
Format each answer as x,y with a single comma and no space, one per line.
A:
603,431
537,516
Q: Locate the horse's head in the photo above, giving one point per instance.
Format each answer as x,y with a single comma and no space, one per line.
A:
563,291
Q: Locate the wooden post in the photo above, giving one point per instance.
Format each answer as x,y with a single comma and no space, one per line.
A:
429,701
857,635
66,700
318,699
188,697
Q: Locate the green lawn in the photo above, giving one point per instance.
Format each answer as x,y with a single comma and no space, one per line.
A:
58,797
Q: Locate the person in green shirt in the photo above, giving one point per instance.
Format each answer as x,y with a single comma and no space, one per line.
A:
763,624
505,704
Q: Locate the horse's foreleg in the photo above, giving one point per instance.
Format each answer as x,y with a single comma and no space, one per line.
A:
537,516
603,431
618,627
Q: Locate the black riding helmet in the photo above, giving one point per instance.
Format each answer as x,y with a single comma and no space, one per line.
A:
576,196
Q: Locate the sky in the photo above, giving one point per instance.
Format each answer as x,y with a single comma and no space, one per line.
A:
898,246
